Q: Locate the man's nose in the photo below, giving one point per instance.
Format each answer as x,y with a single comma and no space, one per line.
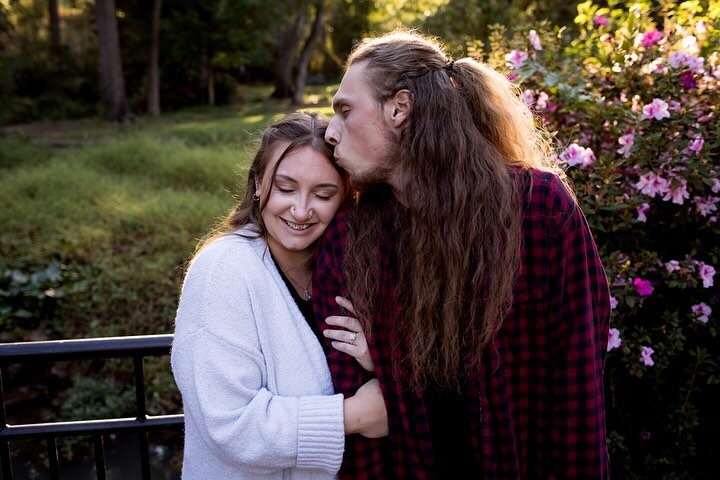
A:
331,134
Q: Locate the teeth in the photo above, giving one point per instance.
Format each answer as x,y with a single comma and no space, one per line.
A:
297,226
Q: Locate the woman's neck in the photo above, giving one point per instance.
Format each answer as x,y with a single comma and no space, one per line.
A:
297,263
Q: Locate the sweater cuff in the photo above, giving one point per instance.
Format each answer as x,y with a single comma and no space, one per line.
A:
321,432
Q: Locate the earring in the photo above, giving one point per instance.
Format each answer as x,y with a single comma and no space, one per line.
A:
256,197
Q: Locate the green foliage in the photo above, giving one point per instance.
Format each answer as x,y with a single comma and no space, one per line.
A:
15,152
29,296
96,398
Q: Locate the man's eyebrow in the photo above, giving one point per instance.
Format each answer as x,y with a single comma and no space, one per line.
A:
338,102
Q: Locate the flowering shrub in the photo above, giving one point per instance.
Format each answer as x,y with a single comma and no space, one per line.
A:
632,99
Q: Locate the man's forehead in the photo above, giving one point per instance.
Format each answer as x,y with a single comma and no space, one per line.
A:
352,84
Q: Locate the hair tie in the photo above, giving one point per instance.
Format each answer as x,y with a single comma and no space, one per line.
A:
450,65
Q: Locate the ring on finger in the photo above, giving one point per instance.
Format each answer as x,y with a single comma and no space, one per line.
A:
353,337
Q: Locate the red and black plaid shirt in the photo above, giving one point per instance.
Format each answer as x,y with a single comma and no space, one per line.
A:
537,406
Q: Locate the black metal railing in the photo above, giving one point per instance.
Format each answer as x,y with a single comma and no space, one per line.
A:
114,347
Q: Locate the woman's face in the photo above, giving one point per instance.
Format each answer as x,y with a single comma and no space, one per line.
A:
303,198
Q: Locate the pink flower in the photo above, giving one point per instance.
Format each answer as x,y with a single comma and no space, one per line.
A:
674,105
517,58
658,110
614,340
651,38
677,59
651,185
613,303
672,266
688,81
678,194
696,145
534,40
716,185
627,141
707,205
695,64
641,211
646,356
643,287
512,77
542,101
577,155
600,21
707,272
702,312
528,97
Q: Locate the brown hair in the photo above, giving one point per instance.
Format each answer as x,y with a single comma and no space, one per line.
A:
301,130
457,232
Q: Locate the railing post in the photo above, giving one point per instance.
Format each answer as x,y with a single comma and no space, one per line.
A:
141,416
99,457
4,446
53,458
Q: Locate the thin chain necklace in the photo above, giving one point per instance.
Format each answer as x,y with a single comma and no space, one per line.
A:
306,290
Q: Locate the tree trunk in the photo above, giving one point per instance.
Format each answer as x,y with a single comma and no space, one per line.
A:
307,51
54,11
207,75
112,82
211,85
285,53
154,64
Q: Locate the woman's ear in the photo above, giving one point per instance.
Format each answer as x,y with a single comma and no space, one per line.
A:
398,107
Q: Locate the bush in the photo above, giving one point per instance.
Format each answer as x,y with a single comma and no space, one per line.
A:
632,99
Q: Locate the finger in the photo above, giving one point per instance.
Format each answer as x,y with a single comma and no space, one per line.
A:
348,348
342,335
346,304
344,322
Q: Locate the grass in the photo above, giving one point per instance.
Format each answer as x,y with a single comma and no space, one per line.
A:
125,206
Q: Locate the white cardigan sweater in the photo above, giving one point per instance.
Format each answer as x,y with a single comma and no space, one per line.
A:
256,388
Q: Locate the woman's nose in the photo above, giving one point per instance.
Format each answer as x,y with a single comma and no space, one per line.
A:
301,212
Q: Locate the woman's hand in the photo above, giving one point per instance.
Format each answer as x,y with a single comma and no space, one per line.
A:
365,412
350,338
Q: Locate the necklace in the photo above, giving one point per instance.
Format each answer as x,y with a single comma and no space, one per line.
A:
306,290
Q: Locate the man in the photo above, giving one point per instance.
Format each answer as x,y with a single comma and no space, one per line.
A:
471,267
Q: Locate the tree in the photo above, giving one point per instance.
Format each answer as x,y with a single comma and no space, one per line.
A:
154,64
112,82
318,28
54,12
289,36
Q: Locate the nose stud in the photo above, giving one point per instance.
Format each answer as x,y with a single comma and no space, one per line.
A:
310,211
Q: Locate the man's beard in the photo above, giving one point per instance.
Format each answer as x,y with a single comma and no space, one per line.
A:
382,173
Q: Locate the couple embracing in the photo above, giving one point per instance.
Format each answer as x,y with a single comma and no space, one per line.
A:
408,290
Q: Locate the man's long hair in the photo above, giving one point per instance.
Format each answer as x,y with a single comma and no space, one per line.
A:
456,229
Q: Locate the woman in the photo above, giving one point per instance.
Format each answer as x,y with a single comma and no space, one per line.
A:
256,388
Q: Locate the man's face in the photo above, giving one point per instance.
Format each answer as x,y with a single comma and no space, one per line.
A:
364,142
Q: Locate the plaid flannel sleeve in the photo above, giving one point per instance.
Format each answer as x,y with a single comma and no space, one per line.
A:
579,327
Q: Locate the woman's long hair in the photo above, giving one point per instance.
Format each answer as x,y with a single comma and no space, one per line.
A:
457,231
300,130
